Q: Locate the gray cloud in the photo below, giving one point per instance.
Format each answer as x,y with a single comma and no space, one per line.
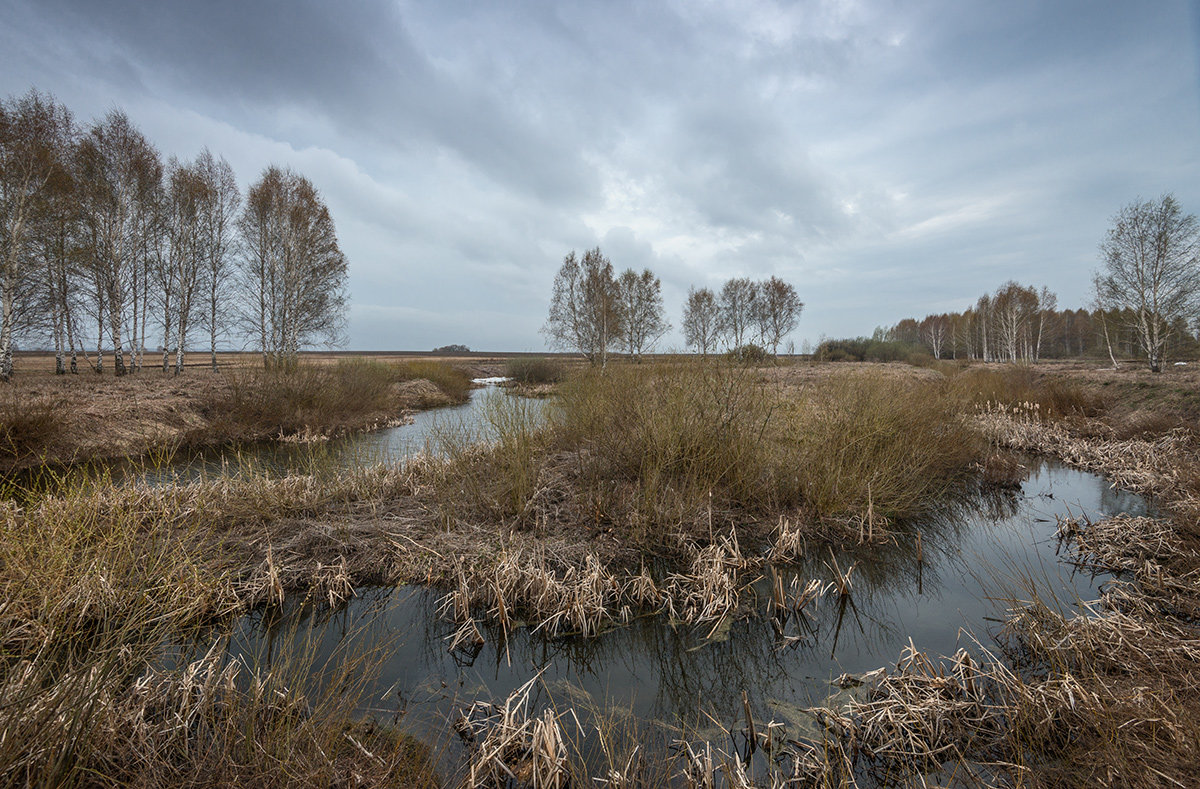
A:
889,159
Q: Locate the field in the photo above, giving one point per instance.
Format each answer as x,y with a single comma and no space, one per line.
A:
666,489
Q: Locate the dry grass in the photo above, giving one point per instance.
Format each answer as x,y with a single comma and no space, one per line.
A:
1013,385
306,401
548,525
28,424
873,449
47,419
452,380
97,579
535,371
652,453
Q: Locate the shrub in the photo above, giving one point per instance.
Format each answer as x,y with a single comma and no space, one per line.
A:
869,443
535,371
865,349
659,448
277,401
749,354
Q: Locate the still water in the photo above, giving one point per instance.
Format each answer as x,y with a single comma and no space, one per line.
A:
421,432
666,675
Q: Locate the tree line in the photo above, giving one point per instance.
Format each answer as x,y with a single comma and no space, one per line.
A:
1146,303
107,249
595,311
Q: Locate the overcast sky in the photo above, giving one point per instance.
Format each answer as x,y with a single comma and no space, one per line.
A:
890,159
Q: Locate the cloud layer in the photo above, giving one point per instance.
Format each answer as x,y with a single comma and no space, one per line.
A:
888,159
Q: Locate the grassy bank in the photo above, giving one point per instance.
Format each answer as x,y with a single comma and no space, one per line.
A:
56,420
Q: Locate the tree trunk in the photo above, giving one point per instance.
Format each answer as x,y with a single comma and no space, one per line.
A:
6,329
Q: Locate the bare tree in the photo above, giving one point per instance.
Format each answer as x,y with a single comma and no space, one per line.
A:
1047,308
778,308
738,299
1013,310
1152,269
118,170
585,311
218,219
701,319
934,330
257,229
186,194
642,320
34,131
293,269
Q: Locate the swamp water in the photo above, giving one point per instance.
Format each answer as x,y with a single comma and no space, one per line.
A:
668,680
420,433
661,679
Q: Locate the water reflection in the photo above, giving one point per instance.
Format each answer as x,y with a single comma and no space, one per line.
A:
939,591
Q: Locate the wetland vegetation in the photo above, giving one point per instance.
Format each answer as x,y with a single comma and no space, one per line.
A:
731,525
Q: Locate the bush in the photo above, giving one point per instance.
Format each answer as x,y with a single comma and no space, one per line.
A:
535,371
749,354
873,443
656,449
865,349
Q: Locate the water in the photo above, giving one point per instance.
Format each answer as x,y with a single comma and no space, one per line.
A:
386,445
668,676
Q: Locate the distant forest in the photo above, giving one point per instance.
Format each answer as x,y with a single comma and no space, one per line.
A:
1016,323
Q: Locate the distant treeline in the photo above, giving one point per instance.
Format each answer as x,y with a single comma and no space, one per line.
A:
1015,323
106,248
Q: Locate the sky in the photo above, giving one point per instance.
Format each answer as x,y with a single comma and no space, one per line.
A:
889,159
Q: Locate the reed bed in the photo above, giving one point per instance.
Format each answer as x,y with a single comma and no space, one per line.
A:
689,466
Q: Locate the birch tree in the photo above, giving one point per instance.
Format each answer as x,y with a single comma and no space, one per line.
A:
33,131
1151,268
701,320
737,301
218,221
187,192
643,322
118,168
292,268
585,312
778,310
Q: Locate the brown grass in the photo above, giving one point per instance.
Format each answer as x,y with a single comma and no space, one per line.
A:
550,523
28,424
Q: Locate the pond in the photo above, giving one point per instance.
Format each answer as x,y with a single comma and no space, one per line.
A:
667,676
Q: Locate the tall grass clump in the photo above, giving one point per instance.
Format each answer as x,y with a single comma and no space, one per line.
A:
873,446
303,399
28,424
685,436
535,371
453,381
97,578
1019,385
676,449
493,468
